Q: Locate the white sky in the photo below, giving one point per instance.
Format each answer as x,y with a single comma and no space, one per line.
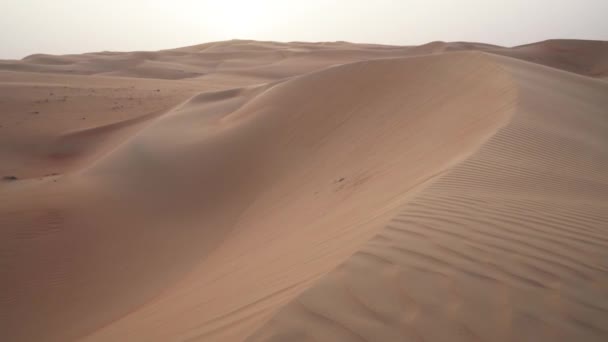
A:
76,26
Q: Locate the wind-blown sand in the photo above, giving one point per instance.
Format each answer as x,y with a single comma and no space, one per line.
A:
259,191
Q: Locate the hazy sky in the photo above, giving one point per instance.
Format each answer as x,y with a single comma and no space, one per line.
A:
74,26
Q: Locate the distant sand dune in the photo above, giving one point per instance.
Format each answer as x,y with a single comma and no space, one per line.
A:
261,191
583,57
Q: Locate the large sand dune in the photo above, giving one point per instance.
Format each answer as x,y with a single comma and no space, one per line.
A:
260,191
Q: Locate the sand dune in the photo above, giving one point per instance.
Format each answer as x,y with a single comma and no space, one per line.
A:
261,191
271,60
514,237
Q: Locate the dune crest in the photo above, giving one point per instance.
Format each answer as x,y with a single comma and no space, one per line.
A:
268,191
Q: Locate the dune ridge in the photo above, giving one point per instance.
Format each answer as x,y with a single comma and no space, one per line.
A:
313,192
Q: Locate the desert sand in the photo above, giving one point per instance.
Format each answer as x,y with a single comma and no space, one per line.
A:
262,191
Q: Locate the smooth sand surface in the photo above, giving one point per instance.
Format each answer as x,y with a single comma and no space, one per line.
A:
261,191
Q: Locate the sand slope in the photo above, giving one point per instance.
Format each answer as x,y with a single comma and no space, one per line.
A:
313,192
509,245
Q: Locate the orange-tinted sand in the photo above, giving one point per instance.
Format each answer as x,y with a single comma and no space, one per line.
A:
260,191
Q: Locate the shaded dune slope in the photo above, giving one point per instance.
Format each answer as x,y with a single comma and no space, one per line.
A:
209,188
589,58
585,57
509,245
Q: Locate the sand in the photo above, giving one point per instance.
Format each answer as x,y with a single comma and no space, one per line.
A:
261,191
